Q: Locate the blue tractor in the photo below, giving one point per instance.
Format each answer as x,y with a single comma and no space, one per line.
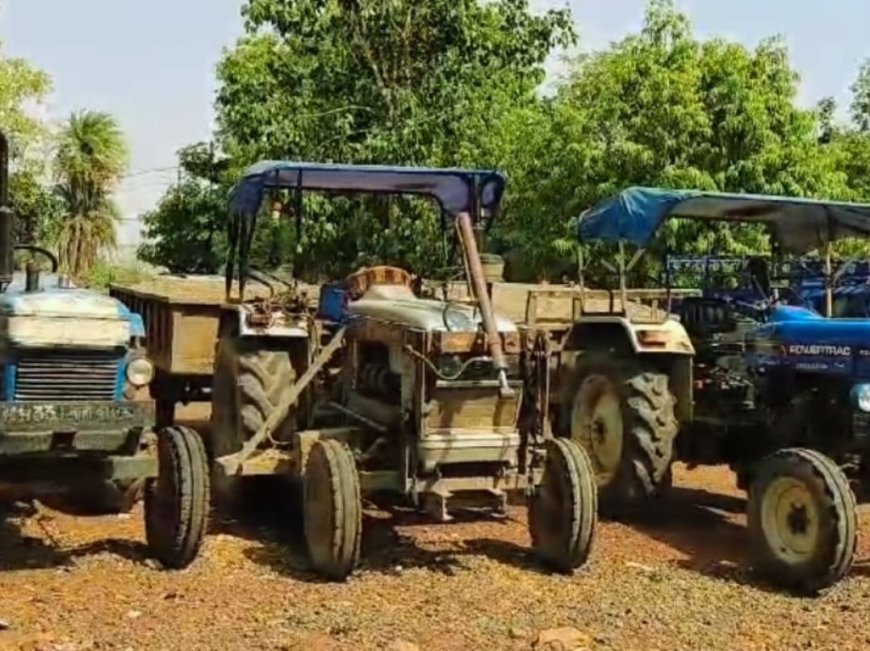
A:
776,391
74,405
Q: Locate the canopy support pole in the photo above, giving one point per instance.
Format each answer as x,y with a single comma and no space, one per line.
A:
623,292
829,284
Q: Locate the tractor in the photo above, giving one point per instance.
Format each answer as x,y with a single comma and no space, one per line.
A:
778,392
72,413
381,391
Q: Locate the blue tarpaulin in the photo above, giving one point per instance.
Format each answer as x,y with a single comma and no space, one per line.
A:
799,225
453,189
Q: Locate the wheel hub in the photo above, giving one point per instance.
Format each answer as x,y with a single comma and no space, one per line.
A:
596,424
790,520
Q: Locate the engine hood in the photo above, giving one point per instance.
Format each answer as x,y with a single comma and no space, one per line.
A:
62,303
66,318
423,314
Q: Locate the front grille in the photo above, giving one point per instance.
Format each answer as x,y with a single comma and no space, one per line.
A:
87,375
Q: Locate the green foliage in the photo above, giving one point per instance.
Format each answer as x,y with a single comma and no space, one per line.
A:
456,82
38,207
399,82
90,161
103,273
186,232
21,85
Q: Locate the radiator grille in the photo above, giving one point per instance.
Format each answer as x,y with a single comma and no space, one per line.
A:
66,376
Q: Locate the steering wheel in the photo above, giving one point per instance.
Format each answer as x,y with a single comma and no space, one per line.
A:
38,249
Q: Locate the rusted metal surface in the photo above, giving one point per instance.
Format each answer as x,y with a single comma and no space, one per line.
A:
478,285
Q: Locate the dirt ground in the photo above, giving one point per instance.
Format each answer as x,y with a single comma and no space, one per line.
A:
676,581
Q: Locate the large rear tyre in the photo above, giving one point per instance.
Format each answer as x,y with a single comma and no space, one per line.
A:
248,383
563,508
802,520
332,509
623,416
177,501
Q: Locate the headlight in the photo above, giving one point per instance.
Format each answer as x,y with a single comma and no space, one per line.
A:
861,397
140,371
457,320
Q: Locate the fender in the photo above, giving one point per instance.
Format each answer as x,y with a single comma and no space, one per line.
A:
665,338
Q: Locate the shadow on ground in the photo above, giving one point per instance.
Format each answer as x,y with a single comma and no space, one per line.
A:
706,527
19,551
276,527
710,530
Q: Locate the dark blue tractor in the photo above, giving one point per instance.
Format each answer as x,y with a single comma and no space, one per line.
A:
770,387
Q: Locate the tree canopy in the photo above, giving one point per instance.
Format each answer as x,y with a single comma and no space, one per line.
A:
458,82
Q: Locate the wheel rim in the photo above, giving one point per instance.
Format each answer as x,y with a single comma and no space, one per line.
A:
790,520
596,424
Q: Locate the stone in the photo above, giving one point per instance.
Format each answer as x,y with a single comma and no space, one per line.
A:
565,638
402,645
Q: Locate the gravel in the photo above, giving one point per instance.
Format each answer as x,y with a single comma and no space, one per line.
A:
676,581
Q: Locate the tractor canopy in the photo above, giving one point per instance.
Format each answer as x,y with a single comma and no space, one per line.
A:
799,225
476,193
455,190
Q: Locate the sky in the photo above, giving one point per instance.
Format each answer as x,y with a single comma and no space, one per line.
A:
151,64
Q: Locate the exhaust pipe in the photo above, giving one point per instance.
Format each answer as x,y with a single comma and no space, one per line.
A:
7,218
478,286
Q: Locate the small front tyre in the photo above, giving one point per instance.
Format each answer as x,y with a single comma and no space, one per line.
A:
332,508
802,520
177,501
563,508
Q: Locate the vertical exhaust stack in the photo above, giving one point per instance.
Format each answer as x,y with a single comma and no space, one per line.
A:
7,218
478,285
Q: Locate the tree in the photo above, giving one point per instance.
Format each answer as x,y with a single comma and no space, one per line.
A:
861,99
400,82
21,87
90,161
187,230
663,108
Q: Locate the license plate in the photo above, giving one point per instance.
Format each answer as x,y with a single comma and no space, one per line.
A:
72,416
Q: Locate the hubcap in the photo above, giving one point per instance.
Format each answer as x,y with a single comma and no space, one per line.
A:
790,520
596,424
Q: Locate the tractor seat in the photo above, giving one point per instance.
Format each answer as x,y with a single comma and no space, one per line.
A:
381,282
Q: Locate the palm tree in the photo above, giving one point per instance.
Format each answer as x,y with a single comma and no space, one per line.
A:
90,161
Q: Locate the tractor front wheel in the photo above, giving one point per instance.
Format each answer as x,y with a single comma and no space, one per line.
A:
563,508
332,508
802,520
177,501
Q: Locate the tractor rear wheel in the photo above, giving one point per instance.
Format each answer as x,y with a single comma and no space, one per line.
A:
563,508
177,501
802,520
623,416
248,383
332,510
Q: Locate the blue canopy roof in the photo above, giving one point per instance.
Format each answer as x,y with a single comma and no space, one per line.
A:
799,225
453,189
